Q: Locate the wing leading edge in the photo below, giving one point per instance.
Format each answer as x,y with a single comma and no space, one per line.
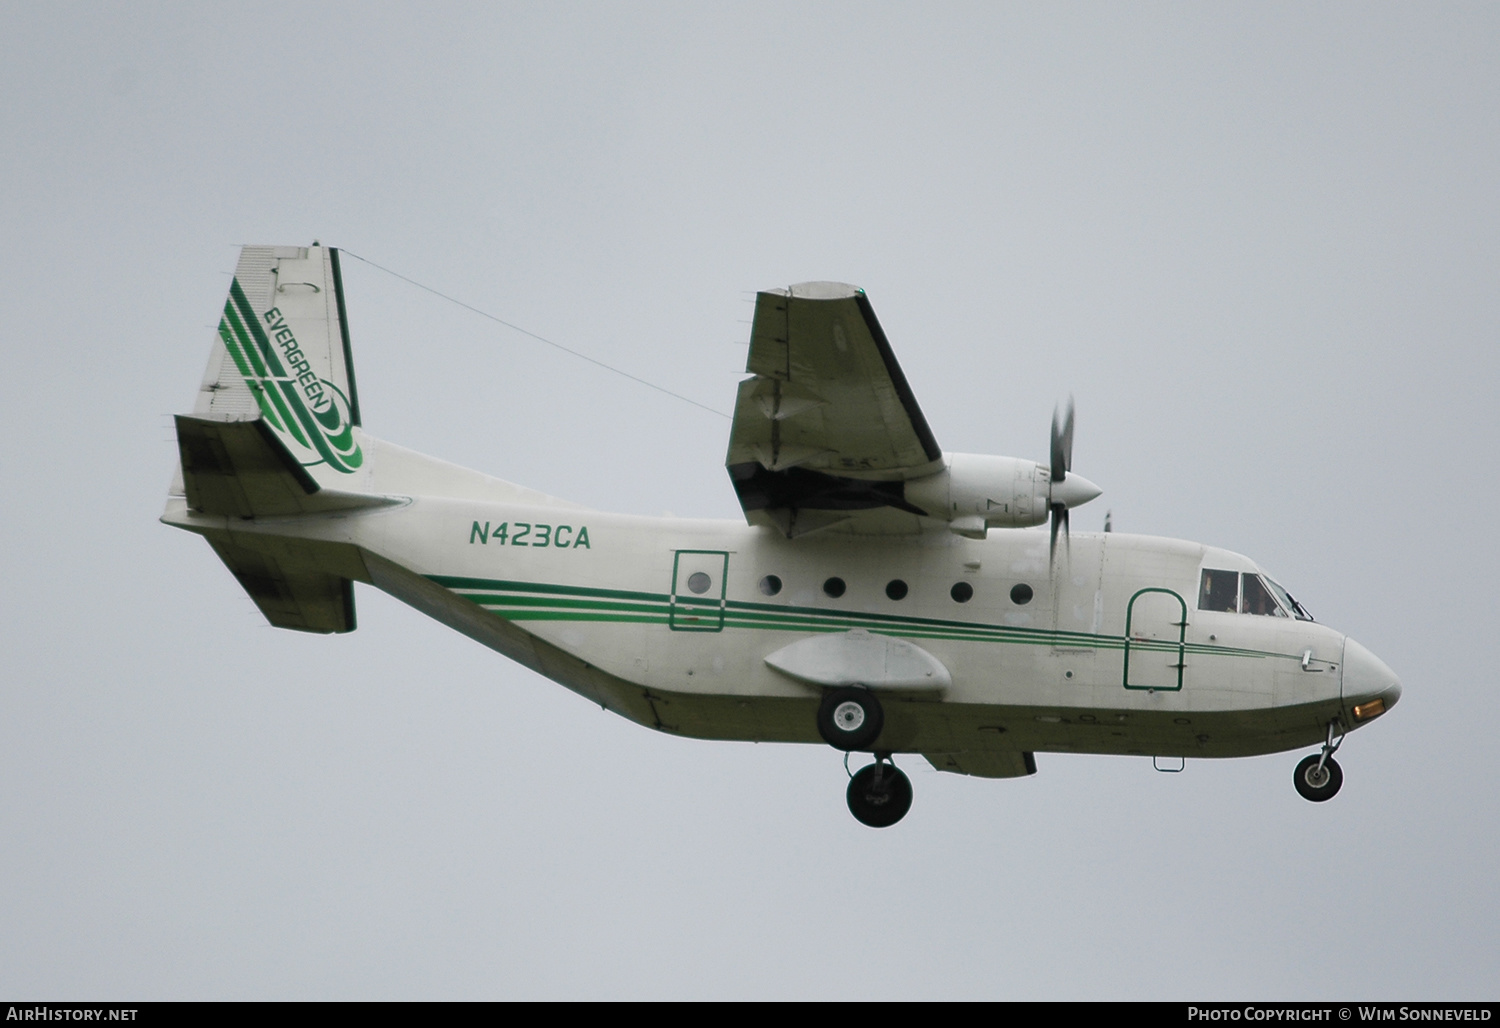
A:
826,430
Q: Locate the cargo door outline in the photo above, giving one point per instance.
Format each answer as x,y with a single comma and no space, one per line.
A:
1144,646
690,611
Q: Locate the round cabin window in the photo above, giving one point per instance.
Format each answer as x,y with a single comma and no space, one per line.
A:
770,585
1021,594
895,589
834,587
962,592
699,582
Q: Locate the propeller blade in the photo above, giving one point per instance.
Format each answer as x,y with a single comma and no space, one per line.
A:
1059,521
1062,443
1068,490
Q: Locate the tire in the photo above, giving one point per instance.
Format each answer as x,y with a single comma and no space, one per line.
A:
879,795
1308,785
850,719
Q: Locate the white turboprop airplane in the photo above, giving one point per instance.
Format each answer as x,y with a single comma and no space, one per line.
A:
865,602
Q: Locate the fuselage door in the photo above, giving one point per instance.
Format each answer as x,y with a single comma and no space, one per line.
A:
1155,640
698,591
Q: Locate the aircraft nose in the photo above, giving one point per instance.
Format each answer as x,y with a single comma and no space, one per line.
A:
1370,688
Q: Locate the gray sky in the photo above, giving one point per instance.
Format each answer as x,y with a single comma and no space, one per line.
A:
1259,244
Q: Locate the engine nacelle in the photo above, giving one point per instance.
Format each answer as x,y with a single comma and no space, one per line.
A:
976,492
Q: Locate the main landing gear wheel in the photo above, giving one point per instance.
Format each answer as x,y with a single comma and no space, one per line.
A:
1317,783
850,719
879,795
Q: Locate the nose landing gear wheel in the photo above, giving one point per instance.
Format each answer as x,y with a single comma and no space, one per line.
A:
879,795
850,719
1317,784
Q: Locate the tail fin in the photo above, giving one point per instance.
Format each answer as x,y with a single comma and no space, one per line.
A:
283,354
275,431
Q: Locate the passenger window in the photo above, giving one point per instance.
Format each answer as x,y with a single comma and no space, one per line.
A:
1220,591
1258,599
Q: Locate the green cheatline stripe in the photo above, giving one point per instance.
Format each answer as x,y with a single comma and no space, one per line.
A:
501,585
760,618
831,620
654,608
543,604
562,615
519,609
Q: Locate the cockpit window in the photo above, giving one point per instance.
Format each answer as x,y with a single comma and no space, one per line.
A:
1289,601
1235,593
1258,599
1220,591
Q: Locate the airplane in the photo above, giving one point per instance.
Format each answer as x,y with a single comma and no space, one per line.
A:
882,596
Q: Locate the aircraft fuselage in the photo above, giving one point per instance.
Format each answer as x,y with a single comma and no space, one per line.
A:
1040,660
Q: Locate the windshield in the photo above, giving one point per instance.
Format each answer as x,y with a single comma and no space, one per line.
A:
1288,599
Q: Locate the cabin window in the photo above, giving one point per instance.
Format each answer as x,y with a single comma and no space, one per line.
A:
770,585
1021,594
962,592
1257,599
1220,591
834,587
895,589
698,582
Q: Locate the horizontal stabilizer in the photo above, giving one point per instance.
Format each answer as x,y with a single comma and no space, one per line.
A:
287,592
242,469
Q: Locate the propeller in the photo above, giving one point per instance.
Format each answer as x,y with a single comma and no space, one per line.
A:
1067,489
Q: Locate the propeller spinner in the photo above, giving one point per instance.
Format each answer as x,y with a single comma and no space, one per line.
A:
1068,490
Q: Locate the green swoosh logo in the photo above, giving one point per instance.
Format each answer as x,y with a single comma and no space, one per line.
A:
288,398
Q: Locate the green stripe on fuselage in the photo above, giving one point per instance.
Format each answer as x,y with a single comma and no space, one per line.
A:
545,601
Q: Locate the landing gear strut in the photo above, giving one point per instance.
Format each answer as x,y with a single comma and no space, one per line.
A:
879,793
1319,776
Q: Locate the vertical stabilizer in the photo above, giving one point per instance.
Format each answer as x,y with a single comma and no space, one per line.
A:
283,356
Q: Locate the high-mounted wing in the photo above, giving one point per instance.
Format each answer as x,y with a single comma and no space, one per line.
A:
827,430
